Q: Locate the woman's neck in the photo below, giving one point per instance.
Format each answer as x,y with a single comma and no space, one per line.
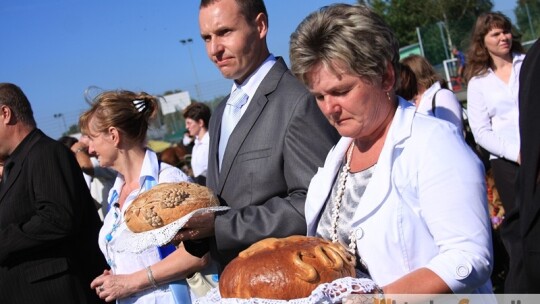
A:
130,163
366,152
502,68
202,132
500,62
379,135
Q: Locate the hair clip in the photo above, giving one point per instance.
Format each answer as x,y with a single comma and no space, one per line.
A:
140,105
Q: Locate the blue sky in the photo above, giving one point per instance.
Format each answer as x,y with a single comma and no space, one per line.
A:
55,49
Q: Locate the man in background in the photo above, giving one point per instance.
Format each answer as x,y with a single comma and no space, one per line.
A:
48,223
197,116
460,64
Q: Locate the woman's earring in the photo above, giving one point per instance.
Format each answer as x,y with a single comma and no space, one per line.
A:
388,95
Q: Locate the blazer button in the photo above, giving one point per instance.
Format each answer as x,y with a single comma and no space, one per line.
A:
462,271
359,233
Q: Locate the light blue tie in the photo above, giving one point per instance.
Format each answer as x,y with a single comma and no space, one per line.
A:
231,116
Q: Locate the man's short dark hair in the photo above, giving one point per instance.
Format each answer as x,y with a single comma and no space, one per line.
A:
14,98
250,8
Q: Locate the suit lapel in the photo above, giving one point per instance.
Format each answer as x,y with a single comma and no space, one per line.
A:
18,162
238,136
321,184
248,120
213,158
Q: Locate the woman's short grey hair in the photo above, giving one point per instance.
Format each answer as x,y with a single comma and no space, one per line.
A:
344,36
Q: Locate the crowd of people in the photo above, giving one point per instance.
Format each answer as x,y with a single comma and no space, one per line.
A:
385,145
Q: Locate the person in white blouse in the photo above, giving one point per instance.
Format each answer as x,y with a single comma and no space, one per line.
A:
494,62
401,191
197,116
116,126
421,84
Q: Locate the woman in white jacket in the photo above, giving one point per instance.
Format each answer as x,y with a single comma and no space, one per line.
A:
421,84
400,190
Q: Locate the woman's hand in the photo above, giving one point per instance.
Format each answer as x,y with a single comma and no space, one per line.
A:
110,287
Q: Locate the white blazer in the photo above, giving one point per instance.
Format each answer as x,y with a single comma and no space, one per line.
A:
425,205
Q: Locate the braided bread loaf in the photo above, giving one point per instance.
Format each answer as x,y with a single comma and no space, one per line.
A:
285,269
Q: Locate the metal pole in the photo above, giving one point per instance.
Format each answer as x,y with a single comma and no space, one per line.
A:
420,41
60,115
440,24
188,42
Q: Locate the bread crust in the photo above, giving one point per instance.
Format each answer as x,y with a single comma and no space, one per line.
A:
285,269
166,203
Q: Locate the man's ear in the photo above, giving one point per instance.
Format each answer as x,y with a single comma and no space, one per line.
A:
262,25
6,115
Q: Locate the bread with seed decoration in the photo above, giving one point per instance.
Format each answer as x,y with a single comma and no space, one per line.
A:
166,203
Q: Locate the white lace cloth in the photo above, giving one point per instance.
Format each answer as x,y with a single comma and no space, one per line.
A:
138,242
333,292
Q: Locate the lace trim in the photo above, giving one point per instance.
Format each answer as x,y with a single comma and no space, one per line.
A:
333,292
138,242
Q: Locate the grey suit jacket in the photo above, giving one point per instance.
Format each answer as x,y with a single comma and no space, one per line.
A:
270,158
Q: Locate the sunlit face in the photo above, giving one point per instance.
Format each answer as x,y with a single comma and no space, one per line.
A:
233,45
498,42
193,126
353,106
101,145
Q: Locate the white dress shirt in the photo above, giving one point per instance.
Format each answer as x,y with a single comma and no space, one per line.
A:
493,111
127,262
251,84
199,155
425,205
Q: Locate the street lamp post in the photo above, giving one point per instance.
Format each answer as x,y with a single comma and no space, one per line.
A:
60,115
441,24
187,42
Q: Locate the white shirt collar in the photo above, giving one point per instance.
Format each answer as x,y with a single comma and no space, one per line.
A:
251,84
203,140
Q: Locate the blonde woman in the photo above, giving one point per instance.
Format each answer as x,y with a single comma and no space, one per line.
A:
400,191
116,126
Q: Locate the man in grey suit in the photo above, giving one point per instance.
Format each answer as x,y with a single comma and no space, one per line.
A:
263,171
48,223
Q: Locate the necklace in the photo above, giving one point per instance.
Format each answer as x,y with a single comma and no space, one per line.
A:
118,220
337,202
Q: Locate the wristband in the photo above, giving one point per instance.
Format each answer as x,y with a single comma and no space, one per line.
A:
379,293
150,276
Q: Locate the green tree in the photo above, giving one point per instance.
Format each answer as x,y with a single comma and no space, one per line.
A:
528,18
442,23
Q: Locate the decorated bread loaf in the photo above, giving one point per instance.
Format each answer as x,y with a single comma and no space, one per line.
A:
285,269
166,203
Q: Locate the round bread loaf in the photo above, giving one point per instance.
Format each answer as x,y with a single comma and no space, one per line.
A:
285,269
166,203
